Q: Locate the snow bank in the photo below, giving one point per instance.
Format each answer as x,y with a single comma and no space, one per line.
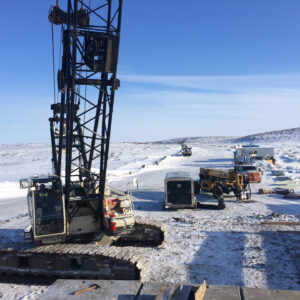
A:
10,190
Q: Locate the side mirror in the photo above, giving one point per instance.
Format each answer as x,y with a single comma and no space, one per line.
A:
24,183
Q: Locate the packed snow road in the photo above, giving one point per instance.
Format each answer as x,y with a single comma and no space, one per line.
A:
228,247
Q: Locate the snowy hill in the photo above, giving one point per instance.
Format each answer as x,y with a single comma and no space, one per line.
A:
287,135
199,139
22,160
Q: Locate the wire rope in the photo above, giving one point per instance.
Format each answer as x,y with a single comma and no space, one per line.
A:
53,63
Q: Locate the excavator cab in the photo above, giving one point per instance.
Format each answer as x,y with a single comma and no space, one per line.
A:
46,210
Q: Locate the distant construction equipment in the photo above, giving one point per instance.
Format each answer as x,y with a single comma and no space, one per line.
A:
249,154
218,182
185,150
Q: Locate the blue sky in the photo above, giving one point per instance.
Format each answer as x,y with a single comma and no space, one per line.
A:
187,68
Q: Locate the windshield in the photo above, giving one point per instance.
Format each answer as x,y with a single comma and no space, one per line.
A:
247,168
48,210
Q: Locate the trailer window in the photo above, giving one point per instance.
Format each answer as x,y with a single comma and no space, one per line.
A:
249,168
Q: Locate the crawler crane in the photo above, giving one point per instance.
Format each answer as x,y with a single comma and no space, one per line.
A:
73,212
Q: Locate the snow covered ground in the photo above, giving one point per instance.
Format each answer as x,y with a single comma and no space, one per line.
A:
228,247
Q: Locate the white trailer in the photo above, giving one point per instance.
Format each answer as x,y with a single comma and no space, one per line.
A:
248,155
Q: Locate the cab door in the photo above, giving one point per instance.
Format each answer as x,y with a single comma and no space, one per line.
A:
49,216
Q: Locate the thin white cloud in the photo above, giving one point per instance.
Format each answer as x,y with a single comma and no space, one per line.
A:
214,105
242,83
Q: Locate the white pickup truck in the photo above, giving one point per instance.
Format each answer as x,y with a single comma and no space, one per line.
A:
253,173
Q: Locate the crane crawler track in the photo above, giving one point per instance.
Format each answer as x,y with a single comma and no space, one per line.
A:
91,260
146,233
73,261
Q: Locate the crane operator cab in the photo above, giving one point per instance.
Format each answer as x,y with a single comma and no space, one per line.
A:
46,210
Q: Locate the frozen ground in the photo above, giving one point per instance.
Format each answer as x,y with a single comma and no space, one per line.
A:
228,247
